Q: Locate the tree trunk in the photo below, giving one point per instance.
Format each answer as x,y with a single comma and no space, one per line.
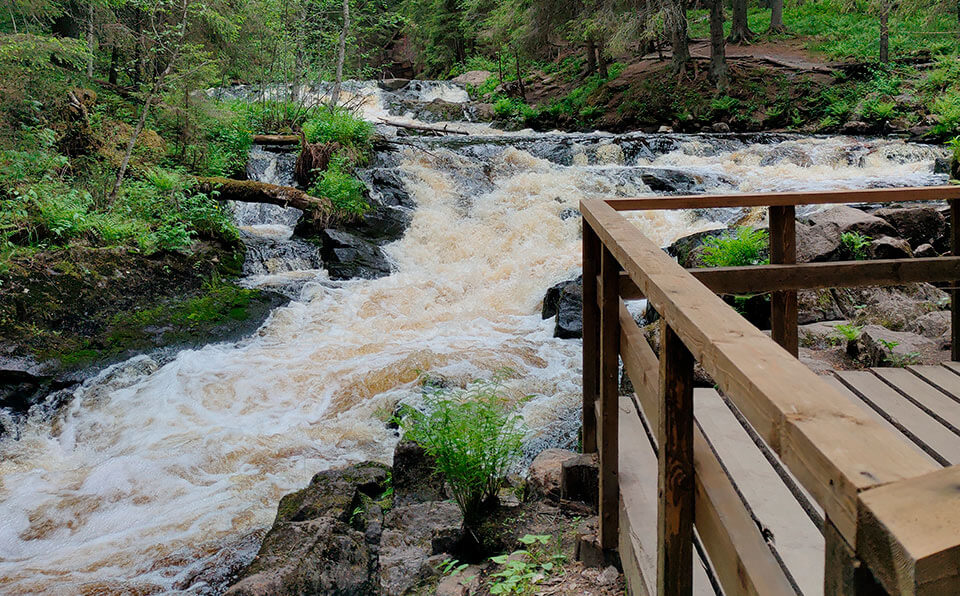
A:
249,191
739,27
130,145
523,89
776,17
91,39
341,54
602,61
114,63
885,37
718,57
590,50
677,22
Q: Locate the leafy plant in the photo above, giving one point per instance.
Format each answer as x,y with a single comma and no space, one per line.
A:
474,436
849,332
343,189
744,247
855,244
340,125
524,568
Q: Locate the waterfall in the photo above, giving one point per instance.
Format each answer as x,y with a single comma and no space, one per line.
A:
162,479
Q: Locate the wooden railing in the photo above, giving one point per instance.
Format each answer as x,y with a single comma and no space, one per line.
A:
892,518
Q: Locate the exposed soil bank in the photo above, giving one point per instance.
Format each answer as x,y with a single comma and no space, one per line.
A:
67,311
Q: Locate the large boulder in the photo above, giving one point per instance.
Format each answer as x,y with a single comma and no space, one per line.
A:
881,346
918,225
933,325
895,307
886,247
565,301
847,219
473,78
414,540
543,476
318,543
689,250
817,243
415,478
347,256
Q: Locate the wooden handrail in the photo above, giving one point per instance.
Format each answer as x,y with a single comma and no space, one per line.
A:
831,446
810,276
780,199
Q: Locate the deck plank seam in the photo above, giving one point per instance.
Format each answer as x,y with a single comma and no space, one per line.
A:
926,448
930,382
926,410
792,485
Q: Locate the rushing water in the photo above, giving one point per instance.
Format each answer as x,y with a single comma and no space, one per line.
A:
163,478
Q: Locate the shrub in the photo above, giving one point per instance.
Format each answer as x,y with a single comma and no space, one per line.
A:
744,247
341,187
855,244
474,437
338,125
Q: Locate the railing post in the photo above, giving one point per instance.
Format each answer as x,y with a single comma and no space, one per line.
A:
591,338
783,250
675,472
955,294
609,419
843,574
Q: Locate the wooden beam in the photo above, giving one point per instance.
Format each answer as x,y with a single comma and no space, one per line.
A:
833,448
607,423
771,199
908,534
810,276
741,557
955,294
783,303
844,574
675,470
591,338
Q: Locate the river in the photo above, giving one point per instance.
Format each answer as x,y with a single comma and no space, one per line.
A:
162,478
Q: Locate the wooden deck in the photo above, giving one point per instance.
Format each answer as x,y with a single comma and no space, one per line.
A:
920,403
776,481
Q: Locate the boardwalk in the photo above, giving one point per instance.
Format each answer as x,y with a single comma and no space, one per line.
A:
775,481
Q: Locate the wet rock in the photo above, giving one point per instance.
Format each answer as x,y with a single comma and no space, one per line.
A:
687,250
568,213
580,479
474,78
925,251
21,381
394,84
415,479
787,154
346,256
543,476
855,127
720,127
267,256
381,224
669,181
314,546
570,312
941,165
918,225
412,536
847,219
481,112
817,305
886,247
551,300
882,346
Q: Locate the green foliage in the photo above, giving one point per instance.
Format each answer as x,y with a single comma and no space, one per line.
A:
855,244
474,436
328,125
343,189
523,569
848,331
744,247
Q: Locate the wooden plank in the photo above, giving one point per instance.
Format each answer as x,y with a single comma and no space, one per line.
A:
638,466
608,429
783,303
929,435
955,294
939,377
925,396
770,199
789,529
844,574
675,471
907,534
741,557
829,444
591,338
810,276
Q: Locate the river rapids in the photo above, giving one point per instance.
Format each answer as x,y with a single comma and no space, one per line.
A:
162,476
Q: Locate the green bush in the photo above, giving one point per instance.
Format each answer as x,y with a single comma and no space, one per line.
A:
744,247
855,244
474,437
946,108
339,125
341,187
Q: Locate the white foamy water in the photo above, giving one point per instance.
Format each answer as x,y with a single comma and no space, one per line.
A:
162,479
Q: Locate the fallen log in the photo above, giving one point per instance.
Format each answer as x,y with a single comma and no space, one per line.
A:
441,129
276,139
249,191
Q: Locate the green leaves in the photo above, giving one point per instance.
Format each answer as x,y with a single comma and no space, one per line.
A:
744,247
474,437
